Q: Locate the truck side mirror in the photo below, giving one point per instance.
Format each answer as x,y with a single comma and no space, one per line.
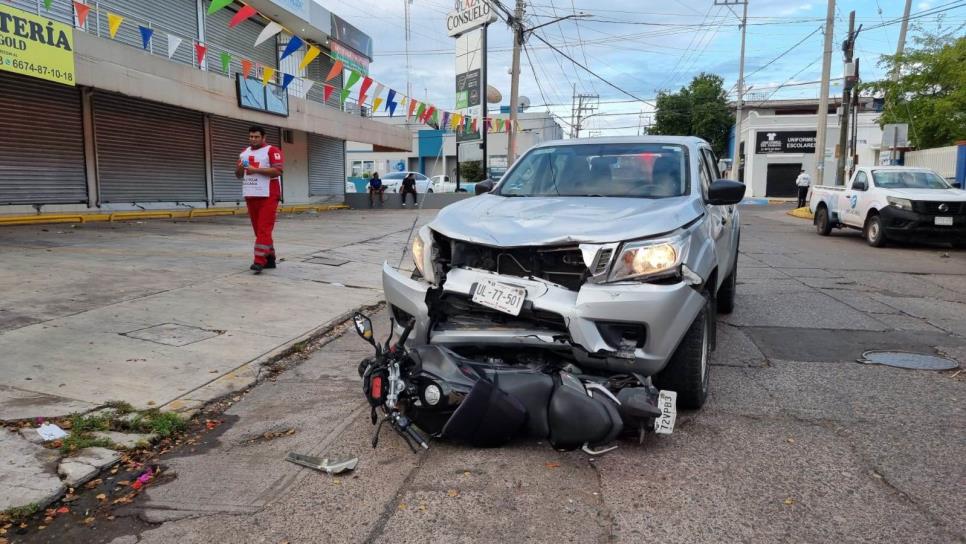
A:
957,185
726,192
859,186
485,186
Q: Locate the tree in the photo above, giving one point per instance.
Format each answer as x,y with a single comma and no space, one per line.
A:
700,109
930,92
472,171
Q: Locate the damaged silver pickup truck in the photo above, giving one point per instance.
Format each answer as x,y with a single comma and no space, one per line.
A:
610,255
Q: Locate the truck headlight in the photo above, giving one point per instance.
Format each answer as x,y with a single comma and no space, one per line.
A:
901,203
648,259
422,249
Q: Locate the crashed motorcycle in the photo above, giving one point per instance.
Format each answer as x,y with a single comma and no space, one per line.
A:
431,391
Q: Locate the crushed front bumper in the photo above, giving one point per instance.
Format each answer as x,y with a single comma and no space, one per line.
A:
617,328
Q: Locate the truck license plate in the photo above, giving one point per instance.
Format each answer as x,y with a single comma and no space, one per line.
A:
668,403
499,296
944,221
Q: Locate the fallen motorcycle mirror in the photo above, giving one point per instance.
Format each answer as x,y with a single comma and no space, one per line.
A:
364,328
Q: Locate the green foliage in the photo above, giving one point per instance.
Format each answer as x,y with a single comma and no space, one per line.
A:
163,424
472,172
930,92
77,441
82,424
20,513
700,109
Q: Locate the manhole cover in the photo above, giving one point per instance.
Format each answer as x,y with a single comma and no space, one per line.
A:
172,334
902,359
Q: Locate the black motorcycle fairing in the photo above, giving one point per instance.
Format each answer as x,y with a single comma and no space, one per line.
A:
488,417
533,390
576,418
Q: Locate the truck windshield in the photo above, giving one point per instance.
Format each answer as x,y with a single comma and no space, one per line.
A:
636,170
899,179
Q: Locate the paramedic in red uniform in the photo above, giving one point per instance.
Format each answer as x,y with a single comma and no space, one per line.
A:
259,168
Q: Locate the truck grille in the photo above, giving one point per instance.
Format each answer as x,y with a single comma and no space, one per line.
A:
461,312
561,265
939,208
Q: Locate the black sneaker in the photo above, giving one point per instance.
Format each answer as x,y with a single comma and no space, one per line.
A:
257,269
271,262
253,266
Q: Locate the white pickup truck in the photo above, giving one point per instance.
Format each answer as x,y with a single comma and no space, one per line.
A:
892,202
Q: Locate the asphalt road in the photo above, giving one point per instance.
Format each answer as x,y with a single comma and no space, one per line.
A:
799,442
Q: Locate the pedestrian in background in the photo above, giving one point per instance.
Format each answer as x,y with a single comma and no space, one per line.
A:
409,187
376,187
803,182
260,167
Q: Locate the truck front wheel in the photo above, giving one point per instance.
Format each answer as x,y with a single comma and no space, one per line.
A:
687,371
823,226
874,233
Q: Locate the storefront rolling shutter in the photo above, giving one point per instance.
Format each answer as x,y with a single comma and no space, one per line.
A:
148,152
317,72
228,138
326,167
61,11
176,17
239,42
43,158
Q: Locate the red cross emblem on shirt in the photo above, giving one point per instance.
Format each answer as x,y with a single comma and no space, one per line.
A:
252,162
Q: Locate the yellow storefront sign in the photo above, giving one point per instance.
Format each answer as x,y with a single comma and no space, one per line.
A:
36,46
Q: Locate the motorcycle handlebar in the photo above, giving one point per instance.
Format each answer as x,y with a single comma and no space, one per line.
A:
405,333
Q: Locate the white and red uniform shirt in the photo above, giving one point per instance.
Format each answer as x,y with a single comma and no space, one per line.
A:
267,156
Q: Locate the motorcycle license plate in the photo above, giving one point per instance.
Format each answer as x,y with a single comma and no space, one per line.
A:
944,221
499,296
667,402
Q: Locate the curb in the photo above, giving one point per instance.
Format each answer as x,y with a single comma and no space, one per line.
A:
801,213
154,214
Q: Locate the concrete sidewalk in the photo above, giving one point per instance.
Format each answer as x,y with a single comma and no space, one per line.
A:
166,313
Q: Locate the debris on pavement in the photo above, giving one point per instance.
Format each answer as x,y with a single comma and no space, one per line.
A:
333,466
50,431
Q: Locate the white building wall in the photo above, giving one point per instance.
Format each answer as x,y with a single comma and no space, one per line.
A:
942,160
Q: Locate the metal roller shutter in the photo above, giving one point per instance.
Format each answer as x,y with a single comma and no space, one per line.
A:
326,167
43,158
228,138
60,10
238,41
177,17
148,152
317,71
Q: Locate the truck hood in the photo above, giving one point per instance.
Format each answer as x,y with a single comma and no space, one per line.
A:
530,221
933,195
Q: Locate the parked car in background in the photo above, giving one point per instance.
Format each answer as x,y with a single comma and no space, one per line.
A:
393,182
893,202
443,184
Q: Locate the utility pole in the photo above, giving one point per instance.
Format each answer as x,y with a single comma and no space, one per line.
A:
409,88
736,158
585,102
518,38
902,38
823,102
851,80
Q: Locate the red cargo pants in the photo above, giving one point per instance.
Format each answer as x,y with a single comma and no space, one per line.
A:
262,211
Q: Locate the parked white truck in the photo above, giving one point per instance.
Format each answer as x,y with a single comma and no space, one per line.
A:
892,202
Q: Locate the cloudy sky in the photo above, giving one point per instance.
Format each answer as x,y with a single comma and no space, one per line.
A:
641,46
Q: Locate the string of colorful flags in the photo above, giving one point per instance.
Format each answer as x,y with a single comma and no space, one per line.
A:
424,112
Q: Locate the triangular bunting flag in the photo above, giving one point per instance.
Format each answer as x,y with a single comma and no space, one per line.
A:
421,112
247,66
344,95
445,122
389,100
82,11
293,45
308,85
507,125
376,102
47,4
434,118
476,126
246,12
312,53
174,42
499,125
336,71
455,121
268,74
328,92
200,51
287,80
366,83
146,34
114,23
270,30
226,62
412,107
354,78
217,5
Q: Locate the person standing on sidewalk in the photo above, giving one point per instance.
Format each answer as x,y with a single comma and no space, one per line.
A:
803,182
409,187
259,168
